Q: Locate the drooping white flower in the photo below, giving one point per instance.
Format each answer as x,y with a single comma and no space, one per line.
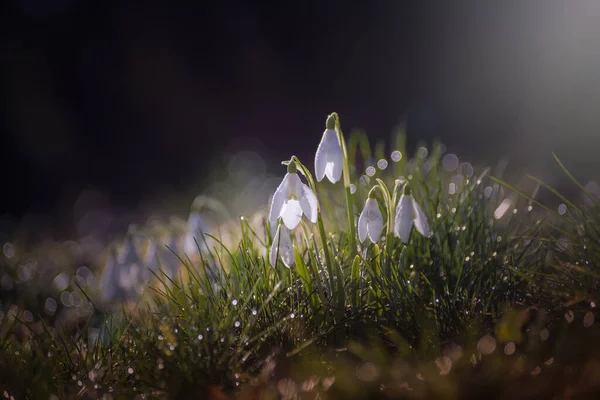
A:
131,268
292,199
109,280
329,157
196,228
151,257
282,245
370,222
170,262
409,213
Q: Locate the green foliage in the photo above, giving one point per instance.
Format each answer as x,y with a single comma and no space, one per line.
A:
367,311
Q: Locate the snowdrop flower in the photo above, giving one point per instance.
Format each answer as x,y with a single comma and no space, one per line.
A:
282,244
131,269
329,157
151,257
292,199
408,212
196,228
109,280
370,222
170,263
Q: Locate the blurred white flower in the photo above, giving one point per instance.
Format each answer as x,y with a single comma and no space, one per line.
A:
408,212
282,244
151,257
292,199
196,228
131,269
170,262
109,281
370,222
329,157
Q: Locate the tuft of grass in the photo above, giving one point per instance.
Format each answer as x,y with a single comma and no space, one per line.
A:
490,300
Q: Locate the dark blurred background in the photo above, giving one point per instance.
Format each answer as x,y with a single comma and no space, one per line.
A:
140,100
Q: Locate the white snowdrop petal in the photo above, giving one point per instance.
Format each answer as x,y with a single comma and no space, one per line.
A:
308,203
274,247
362,225
189,246
291,213
333,169
374,220
196,228
281,194
196,222
420,220
294,185
404,218
286,251
321,158
282,245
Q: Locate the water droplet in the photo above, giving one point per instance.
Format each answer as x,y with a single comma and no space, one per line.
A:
200,336
370,171
234,302
450,162
486,345
509,348
130,370
452,188
396,156
465,169
502,208
50,306
382,164
292,315
352,188
254,312
237,324
562,209
65,298
9,250
569,316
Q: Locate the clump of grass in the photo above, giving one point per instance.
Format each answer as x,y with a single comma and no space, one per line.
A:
348,319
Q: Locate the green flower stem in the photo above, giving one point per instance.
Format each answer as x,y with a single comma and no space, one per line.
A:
311,184
390,202
346,173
